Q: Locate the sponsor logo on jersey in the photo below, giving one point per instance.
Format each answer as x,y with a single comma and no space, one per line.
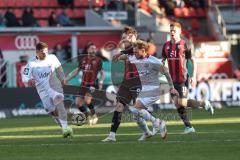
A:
26,71
44,75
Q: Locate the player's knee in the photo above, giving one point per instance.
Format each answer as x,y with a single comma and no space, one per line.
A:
119,107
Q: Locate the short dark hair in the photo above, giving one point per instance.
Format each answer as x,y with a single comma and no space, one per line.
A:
41,45
176,24
130,30
141,45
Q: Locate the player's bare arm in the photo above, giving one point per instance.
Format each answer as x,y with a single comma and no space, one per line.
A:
61,75
193,78
72,74
165,72
102,77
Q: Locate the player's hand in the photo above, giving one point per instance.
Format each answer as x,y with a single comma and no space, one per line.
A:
31,83
192,81
100,86
92,89
174,92
115,57
64,82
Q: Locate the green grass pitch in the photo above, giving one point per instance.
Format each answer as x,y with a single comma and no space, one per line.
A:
38,138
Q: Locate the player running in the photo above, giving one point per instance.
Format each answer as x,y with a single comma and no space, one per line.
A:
130,86
177,54
149,69
46,74
90,65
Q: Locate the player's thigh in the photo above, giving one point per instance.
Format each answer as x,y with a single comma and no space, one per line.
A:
79,100
48,105
144,102
124,95
182,90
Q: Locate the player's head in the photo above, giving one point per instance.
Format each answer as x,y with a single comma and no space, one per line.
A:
129,36
175,30
140,49
41,50
91,49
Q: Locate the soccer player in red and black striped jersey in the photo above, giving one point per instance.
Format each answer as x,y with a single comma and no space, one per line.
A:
131,84
90,65
177,53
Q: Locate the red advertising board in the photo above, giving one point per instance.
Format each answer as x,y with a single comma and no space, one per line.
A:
213,69
28,41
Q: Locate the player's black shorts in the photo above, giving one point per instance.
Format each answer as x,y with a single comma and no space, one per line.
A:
128,91
86,89
182,89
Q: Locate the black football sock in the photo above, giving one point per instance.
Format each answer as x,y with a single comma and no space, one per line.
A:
83,110
183,115
92,110
116,120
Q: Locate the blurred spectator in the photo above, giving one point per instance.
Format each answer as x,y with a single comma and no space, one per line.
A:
98,53
19,70
68,50
64,20
168,5
60,53
179,3
3,70
65,2
52,20
2,20
11,19
155,7
28,19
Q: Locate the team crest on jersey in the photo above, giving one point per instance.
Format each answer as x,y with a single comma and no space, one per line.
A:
94,62
26,71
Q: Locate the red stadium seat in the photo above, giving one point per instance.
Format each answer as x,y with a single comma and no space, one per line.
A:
45,3
192,12
201,12
27,3
186,12
36,13
53,3
44,13
19,3
70,13
18,12
10,3
98,3
3,3
177,12
43,23
79,13
81,3
36,3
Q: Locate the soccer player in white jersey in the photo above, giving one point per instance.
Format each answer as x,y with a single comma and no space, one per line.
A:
149,69
46,74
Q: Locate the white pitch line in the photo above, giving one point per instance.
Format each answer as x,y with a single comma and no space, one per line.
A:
2,137
116,143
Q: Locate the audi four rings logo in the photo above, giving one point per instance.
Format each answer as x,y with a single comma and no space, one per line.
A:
26,42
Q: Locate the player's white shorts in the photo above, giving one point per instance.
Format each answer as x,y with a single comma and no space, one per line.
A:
147,101
48,104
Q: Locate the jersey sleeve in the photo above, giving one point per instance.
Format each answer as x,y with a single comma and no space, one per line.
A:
188,53
56,62
100,66
26,73
164,56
